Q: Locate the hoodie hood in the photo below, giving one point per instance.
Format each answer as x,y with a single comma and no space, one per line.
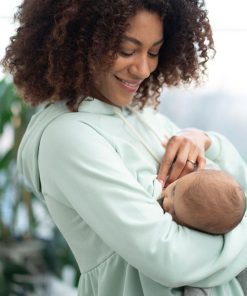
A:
28,152
27,156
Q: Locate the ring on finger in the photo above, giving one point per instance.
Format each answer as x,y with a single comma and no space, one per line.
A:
192,162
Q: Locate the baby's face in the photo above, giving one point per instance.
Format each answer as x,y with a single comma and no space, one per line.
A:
173,201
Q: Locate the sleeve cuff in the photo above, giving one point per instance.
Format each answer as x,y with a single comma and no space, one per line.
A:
214,150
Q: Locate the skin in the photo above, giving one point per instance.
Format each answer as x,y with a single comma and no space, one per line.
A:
136,60
188,144
173,201
174,197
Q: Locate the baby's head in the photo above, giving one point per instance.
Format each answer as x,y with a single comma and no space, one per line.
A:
207,200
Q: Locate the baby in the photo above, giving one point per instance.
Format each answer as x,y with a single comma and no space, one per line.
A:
206,200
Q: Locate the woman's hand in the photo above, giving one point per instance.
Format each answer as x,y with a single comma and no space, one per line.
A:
184,154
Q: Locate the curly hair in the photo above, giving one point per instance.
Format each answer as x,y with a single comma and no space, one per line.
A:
58,45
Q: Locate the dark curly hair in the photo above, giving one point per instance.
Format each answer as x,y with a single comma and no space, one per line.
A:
59,44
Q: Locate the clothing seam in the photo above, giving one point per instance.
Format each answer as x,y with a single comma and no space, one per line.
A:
99,264
39,145
48,195
98,132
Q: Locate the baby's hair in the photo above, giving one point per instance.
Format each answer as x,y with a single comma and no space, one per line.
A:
216,200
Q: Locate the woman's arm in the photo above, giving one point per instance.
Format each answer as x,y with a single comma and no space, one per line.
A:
223,153
91,176
213,146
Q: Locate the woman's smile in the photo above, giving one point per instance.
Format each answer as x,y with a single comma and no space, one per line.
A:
129,85
136,60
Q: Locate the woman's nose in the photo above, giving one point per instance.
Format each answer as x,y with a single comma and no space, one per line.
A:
141,68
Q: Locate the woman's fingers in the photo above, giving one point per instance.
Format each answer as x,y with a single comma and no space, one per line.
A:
180,163
182,157
192,166
201,161
168,159
177,150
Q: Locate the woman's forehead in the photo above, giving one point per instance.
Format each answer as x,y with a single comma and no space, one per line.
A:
147,27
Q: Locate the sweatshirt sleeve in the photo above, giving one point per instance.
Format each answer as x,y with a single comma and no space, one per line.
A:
223,152
83,168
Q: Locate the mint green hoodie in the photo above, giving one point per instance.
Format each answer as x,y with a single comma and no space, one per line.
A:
99,184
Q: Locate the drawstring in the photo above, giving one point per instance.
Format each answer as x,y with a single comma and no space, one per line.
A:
117,112
160,139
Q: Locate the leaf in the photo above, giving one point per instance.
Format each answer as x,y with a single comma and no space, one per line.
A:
5,160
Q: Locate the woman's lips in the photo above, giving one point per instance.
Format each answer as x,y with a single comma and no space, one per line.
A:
131,86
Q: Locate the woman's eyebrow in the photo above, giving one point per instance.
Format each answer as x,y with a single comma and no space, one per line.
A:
138,42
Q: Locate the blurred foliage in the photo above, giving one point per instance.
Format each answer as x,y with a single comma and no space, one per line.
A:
25,258
15,115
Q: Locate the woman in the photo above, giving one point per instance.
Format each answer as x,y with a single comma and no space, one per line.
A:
95,160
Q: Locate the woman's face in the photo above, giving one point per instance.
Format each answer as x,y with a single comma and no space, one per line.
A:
136,60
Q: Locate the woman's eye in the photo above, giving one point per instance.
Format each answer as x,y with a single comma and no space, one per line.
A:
129,54
126,54
153,55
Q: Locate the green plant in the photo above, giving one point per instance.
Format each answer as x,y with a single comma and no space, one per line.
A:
14,116
23,255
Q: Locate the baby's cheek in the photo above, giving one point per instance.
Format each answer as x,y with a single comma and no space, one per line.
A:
166,205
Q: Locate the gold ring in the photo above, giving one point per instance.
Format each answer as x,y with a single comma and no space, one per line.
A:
192,162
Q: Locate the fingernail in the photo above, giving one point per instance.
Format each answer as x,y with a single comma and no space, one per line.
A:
162,182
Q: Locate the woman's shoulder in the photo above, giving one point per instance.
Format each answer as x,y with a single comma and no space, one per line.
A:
71,131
